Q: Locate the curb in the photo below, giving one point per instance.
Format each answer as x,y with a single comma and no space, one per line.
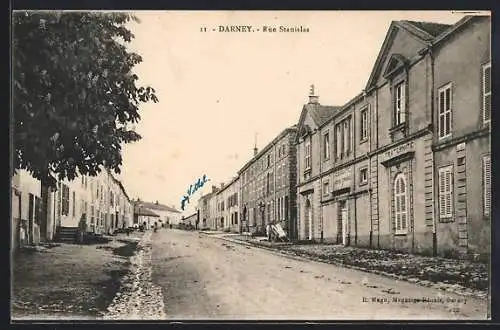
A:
304,257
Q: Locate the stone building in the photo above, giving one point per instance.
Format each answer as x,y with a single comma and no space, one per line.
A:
25,209
102,199
268,186
207,205
462,136
387,169
167,215
228,209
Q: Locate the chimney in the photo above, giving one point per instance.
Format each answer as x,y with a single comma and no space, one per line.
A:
156,203
313,99
214,189
222,185
255,150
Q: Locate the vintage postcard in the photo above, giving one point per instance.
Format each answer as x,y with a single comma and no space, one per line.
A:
251,165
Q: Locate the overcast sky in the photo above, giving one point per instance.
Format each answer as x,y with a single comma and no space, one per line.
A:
217,90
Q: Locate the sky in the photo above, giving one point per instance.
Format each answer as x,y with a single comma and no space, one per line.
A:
219,92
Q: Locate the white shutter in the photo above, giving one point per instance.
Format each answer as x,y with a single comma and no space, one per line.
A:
446,192
442,192
486,83
487,184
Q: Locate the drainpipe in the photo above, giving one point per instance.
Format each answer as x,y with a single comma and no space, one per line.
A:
434,236
355,222
378,175
321,182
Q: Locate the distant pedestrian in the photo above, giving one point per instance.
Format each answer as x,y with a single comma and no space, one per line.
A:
82,228
268,232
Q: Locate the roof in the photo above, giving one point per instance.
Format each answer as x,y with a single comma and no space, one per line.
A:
425,32
431,28
287,130
321,113
233,180
141,210
159,206
119,183
457,26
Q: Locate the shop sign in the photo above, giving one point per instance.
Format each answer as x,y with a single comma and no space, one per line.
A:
342,179
399,150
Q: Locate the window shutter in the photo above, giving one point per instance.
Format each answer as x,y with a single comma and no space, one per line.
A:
486,92
487,184
442,192
449,194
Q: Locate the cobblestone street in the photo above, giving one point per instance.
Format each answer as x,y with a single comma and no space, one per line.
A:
139,298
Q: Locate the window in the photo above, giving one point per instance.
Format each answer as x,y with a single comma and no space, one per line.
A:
65,199
343,135
363,176
338,144
444,106
486,185
364,124
235,218
74,203
486,91
326,186
308,154
345,139
285,208
399,104
446,192
38,210
400,204
326,146
278,204
31,206
268,160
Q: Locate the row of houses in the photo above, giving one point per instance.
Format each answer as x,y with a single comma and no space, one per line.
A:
404,165
101,200
147,214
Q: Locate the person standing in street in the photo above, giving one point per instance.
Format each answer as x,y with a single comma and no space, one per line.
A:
82,229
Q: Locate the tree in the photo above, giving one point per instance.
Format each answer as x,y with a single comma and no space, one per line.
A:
74,93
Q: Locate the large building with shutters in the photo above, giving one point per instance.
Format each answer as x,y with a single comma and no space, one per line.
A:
405,164
268,186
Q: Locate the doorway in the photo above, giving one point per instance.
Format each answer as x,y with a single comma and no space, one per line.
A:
307,220
343,222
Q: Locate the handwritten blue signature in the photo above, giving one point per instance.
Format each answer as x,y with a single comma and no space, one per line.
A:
192,189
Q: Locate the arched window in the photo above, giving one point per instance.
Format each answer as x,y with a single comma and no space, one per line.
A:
400,204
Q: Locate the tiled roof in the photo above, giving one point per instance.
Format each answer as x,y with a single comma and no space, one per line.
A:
141,210
159,207
321,113
434,29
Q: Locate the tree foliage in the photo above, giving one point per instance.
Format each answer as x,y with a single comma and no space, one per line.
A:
74,92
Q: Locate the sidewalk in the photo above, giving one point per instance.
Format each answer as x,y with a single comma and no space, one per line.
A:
69,281
458,276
